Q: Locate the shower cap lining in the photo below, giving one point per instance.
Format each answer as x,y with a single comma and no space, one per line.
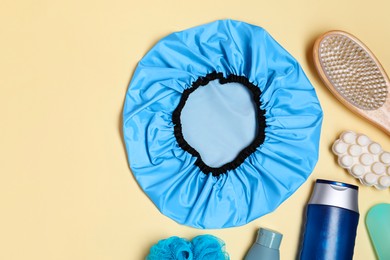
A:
243,154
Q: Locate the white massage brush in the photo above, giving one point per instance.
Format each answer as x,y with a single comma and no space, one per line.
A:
353,74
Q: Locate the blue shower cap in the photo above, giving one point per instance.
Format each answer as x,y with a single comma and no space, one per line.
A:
221,125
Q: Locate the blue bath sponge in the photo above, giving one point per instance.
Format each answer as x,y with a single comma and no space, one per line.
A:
204,247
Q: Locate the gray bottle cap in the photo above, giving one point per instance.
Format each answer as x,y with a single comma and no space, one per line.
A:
269,238
337,194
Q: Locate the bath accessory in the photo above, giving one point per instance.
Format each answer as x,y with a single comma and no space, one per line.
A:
354,75
221,125
332,217
378,225
266,246
203,247
364,159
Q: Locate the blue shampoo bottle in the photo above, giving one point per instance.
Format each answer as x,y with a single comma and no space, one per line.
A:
332,218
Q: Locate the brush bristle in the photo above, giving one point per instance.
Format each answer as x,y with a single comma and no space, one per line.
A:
352,72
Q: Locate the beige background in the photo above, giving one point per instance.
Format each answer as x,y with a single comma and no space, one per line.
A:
66,191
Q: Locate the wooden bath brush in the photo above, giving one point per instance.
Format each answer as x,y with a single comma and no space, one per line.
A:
354,75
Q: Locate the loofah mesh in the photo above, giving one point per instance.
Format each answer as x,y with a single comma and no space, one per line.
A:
352,72
209,247
173,248
204,247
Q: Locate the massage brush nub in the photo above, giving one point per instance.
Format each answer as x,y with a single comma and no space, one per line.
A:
353,74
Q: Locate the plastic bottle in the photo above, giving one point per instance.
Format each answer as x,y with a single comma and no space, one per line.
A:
332,217
266,246
378,226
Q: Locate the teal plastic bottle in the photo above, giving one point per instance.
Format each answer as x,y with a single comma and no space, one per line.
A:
378,225
266,246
